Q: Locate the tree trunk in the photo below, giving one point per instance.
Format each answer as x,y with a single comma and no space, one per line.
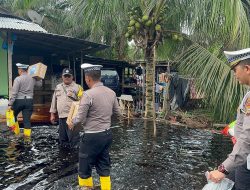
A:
121,47
150,81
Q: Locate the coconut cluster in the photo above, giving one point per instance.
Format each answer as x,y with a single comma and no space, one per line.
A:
139,24
148,25
177,37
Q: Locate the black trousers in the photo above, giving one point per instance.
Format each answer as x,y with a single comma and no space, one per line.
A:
94,151
67,138
26,107
241,177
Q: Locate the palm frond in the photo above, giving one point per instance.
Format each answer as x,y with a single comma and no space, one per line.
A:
219,25
213,78
226,21
100,17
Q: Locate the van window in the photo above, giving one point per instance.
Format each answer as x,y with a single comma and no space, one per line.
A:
108,72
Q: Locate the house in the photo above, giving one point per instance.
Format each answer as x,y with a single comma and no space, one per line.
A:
27,42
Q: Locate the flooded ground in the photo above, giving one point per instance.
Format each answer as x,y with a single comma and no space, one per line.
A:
174,158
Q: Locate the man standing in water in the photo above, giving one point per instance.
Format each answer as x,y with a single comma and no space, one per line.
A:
97,106
65,93
235,166
22,96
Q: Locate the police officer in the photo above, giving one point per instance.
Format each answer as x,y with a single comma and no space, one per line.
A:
235,166
96,107
65,93
22,96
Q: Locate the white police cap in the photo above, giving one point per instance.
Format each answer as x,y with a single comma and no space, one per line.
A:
89,67
234,57
22,66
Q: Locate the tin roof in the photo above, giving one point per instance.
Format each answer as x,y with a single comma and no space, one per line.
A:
54,43
18,24
31,36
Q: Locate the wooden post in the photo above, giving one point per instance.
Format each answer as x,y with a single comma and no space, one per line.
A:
128,107
10,51
153,102
74,63
81,69
143,89
69,60
123,73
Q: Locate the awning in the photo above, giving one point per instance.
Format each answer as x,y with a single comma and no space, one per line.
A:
53,43
105,62
32,37
17,24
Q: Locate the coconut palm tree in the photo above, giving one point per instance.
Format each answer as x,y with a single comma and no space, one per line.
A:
203,27
102,18
222,25
196,30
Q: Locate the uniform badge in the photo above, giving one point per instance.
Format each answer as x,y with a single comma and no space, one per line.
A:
247,106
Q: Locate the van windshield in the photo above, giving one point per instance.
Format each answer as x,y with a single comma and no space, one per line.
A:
108,72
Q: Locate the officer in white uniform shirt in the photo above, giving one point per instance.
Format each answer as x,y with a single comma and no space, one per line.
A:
96,107
64,95
21,99
235,166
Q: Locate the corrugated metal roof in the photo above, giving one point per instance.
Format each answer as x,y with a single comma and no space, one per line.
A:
17,24
54,43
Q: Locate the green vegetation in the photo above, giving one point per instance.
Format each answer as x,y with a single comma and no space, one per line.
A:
191,33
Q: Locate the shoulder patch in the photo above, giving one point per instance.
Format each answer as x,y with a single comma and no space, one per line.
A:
247,106
89,97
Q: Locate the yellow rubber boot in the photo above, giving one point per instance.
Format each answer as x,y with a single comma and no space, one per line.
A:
86,182
27,132
105,183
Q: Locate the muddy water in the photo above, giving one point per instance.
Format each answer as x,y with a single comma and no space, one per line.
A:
172,158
